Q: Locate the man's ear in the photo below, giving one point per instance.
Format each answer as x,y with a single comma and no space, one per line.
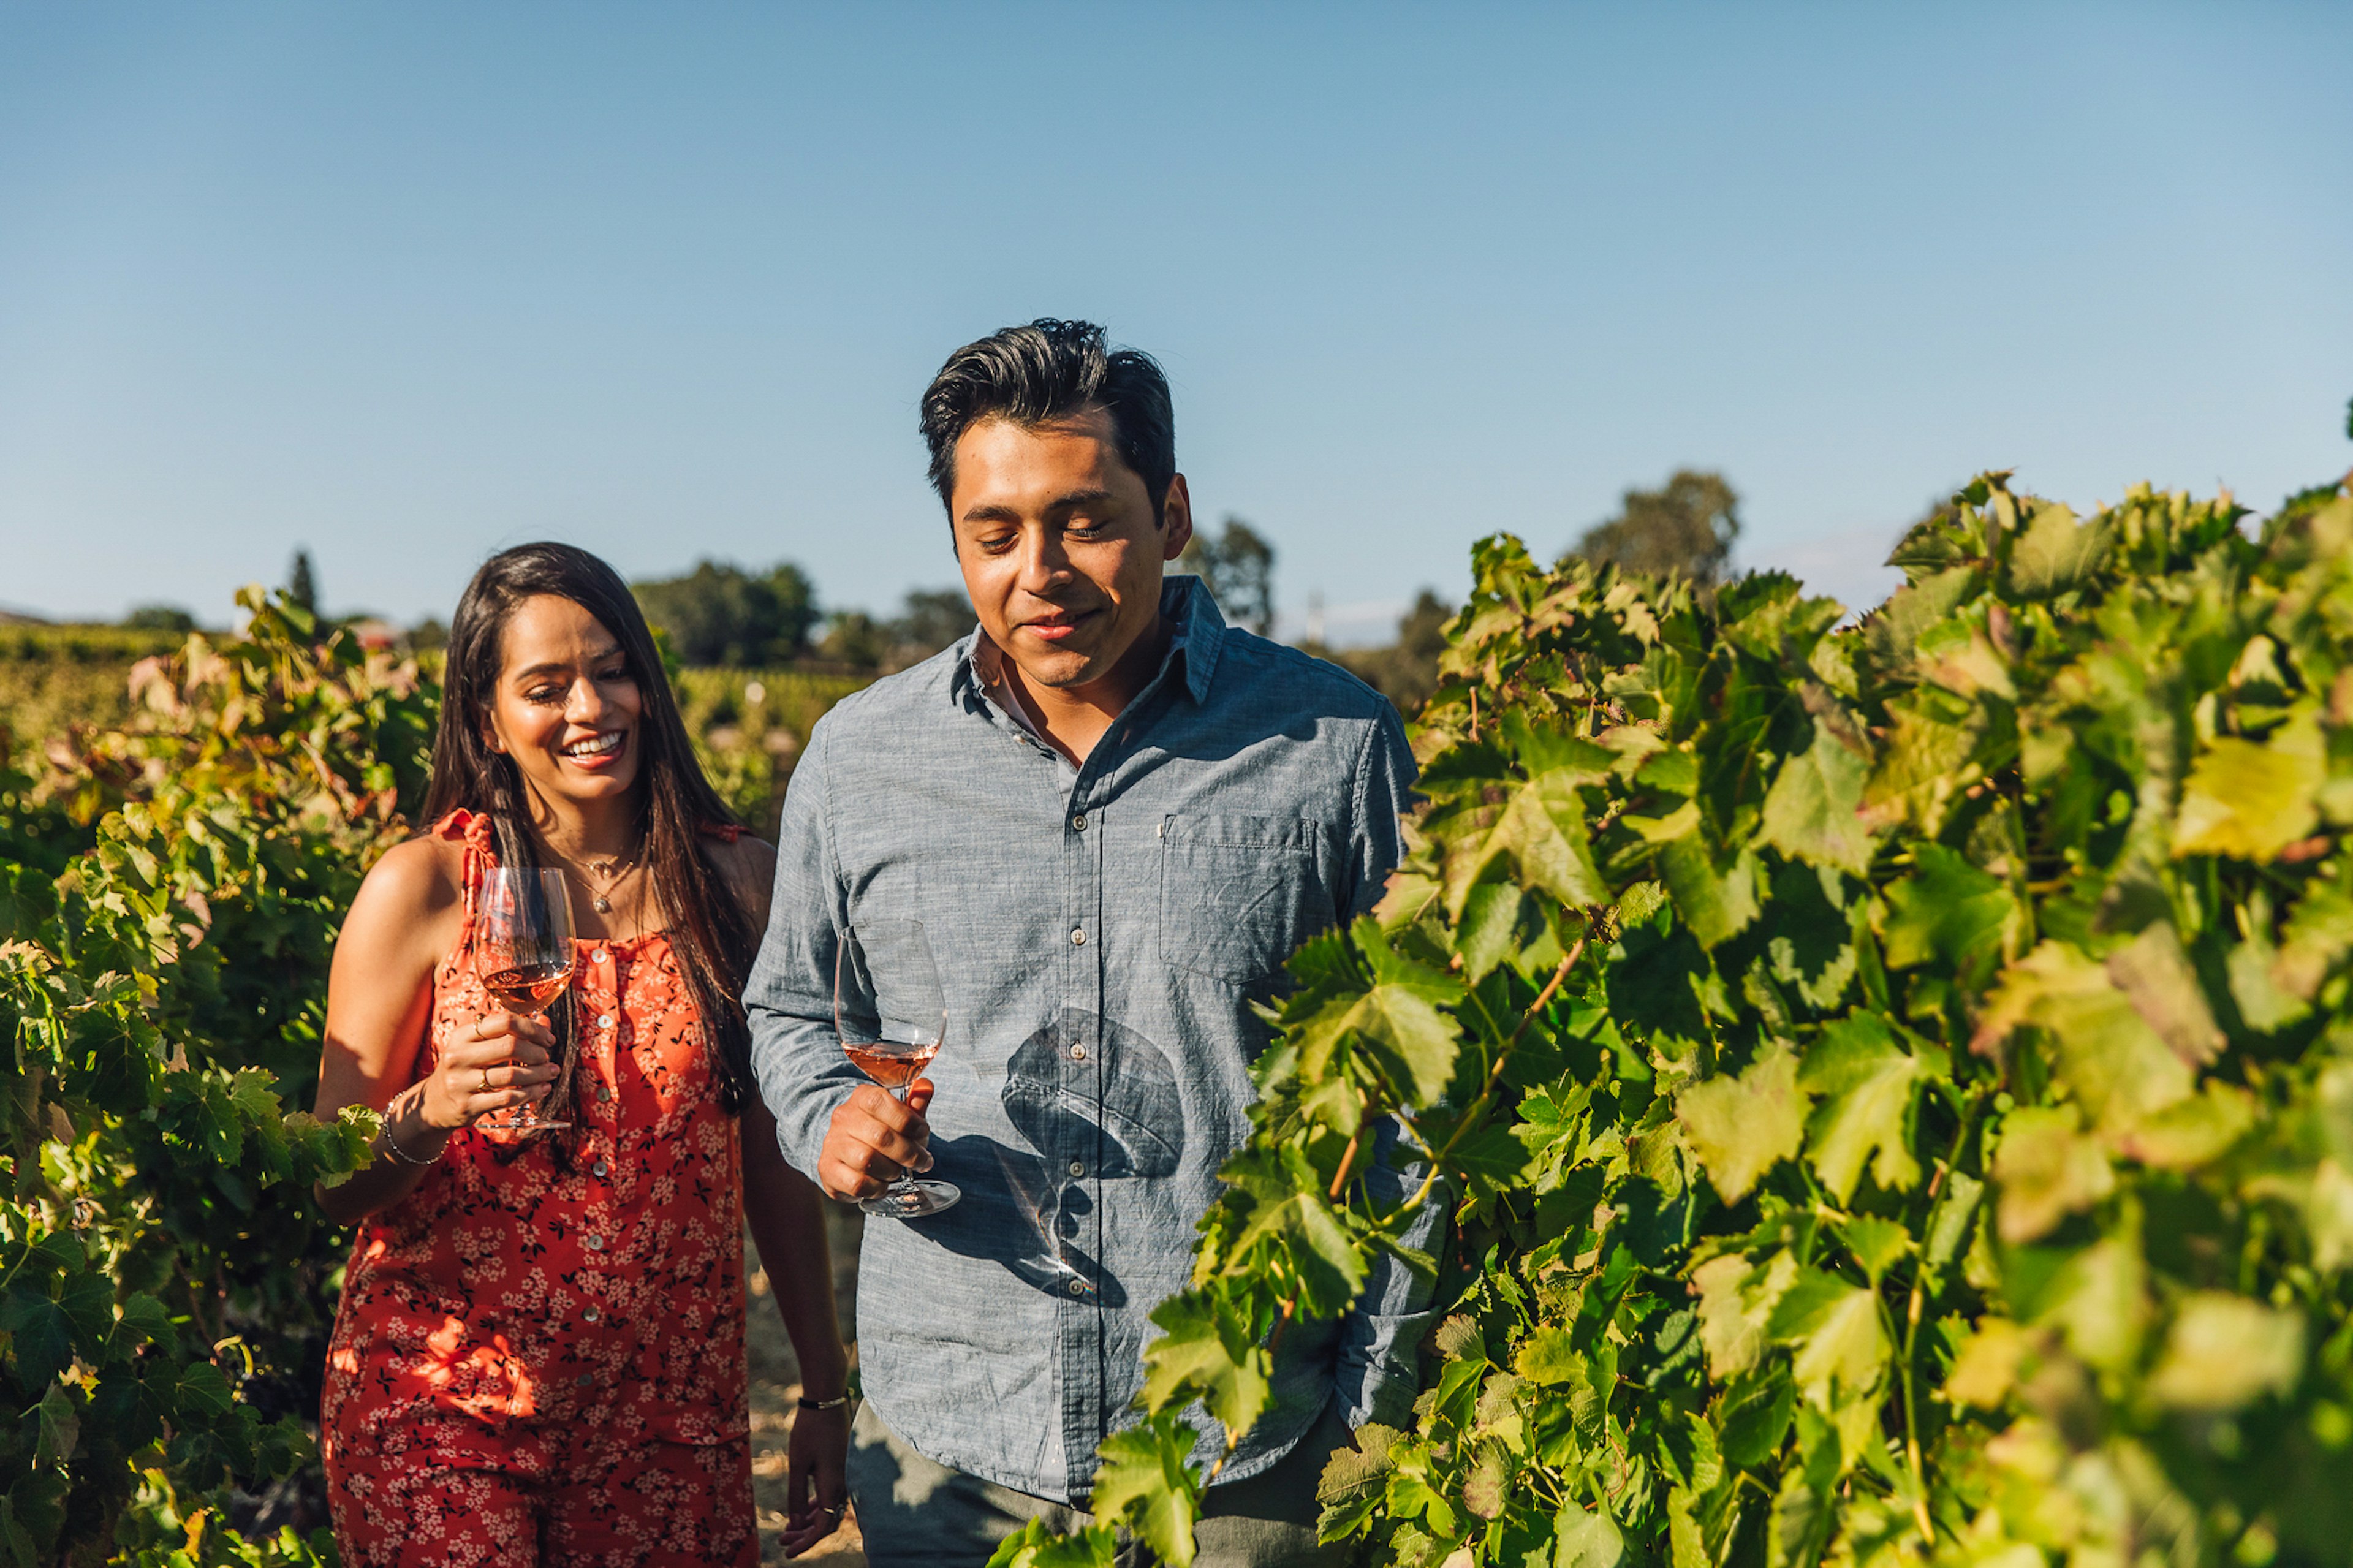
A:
1176,519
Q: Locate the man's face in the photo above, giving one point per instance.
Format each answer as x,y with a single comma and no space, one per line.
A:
1059,545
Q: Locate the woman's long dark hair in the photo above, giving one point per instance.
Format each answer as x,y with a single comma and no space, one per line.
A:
710,930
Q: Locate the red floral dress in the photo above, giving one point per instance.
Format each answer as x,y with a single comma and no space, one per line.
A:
531,1365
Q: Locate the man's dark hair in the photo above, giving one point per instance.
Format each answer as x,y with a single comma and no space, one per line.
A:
1051,369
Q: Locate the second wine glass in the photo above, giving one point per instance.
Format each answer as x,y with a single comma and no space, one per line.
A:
523,931
891,1018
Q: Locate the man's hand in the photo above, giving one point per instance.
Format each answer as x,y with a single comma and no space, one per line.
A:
874,1139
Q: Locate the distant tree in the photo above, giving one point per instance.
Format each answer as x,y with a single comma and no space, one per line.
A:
429,633
1688,527
1406,672
160,618
1239,567
719,614
302,583
855,637
931,618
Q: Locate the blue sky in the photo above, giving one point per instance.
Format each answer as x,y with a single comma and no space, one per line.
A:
403,284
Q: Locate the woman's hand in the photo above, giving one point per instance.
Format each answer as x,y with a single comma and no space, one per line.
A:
501,1062
816,1489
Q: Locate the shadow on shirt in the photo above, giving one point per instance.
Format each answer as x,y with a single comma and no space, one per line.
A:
1095,1101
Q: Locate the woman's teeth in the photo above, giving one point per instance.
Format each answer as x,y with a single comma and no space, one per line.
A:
595,747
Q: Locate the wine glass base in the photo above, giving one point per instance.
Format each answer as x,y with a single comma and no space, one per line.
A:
519,1124
912,1200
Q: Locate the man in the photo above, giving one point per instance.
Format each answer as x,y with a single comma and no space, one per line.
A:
1113,818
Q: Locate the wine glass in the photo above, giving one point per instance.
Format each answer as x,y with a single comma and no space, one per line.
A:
891,1018
523,954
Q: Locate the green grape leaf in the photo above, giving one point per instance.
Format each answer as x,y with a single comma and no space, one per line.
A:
1741,1128
2250,800
1205,1351
1812,811
1146,1484
2225,1351
1865,1083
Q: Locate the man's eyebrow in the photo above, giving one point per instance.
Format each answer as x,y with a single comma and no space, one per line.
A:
1066,501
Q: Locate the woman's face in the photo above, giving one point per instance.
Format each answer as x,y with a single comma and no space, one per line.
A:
566,707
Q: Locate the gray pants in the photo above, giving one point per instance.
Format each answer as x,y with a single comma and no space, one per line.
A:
916,1513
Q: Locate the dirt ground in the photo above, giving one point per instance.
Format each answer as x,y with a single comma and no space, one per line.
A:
776,1385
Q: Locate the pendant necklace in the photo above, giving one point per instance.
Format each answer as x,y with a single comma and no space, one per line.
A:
612,871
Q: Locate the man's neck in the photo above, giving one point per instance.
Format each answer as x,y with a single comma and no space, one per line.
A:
1074,718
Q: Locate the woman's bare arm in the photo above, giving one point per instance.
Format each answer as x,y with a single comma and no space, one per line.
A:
408,913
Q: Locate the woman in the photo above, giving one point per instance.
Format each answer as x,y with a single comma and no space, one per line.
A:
539,1356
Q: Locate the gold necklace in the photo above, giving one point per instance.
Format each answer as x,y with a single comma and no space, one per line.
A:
612,871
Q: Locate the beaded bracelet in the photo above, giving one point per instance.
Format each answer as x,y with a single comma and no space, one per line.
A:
403,1155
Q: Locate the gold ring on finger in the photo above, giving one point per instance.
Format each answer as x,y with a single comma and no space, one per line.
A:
486,1080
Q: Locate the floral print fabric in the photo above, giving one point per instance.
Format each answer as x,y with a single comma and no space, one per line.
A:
533,1365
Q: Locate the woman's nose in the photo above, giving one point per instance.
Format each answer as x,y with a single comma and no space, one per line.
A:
584,704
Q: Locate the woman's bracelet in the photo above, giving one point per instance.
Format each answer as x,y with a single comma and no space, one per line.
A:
834,1403
392,1144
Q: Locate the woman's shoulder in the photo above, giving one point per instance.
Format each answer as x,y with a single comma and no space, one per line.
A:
747,864
417,879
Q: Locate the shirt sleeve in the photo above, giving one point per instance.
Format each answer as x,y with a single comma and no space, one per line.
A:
788,1000
1377,1371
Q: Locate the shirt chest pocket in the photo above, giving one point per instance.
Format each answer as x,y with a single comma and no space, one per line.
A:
1239,894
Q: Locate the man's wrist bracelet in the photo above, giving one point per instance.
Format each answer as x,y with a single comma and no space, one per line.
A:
834,1403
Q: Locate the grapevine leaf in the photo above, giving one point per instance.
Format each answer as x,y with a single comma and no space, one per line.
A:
1353,1480
1545,828
2053,554
1988,1364
1864,1081
42,1346
2047,1169
2250,799
1490,919
2116,1066
1204,1350
1810,811
1548,1360
1482,1488
1410,1037
202,1395
2225,1351
2154,974
1946,910
1741,1128
1716,902
1586,1538
2192,1133
1842,1346
1038,1545
1736,1302
1145,1483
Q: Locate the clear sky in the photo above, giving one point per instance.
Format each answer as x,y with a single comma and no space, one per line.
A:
405,283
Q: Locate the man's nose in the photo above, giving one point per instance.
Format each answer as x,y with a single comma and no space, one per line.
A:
1044,563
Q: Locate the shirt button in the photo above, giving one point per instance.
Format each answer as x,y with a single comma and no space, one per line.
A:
597,1169
1078,936
1078,1287
1078,1167
594,1244
1078,1053
590,1314
1078,823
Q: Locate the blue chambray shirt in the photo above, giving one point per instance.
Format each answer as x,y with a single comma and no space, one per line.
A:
1100,933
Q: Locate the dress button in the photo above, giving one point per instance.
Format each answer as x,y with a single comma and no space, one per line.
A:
1078,1167
597,1169
583,1380
589,1314
600,955
1078,1287
594,1244
1078,823
1078,936
604,1092
604,1020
